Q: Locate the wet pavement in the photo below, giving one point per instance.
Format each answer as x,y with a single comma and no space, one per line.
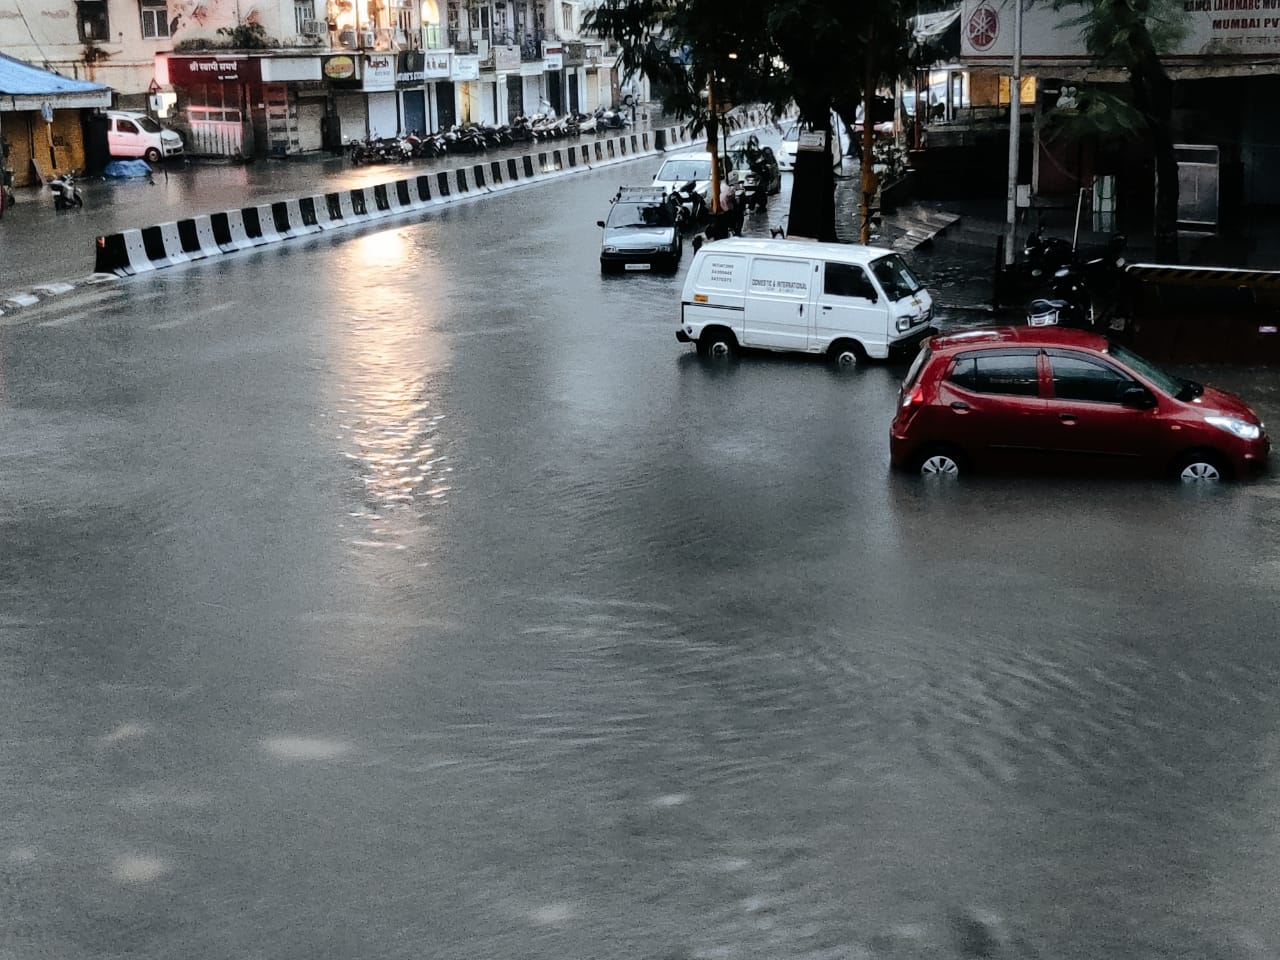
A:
412,592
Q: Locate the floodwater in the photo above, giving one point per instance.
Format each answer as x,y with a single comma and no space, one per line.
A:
414,594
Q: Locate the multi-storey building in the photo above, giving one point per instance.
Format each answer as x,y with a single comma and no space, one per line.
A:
278,77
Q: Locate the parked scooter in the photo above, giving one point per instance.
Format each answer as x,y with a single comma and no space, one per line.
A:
690,208
65,194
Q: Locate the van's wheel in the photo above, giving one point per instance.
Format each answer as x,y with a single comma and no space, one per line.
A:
152,155
846,354
1201,466
717,344
942,462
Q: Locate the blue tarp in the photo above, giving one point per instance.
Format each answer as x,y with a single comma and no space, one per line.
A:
25,87
123,169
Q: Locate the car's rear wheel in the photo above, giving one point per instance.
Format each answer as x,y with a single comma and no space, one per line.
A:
940,462
717,344
1201,466
846,354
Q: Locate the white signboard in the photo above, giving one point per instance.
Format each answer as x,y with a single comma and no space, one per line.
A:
553,56
1215,28
436,65
812,140
466,68
379,72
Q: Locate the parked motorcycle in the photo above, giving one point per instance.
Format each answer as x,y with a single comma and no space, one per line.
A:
65,193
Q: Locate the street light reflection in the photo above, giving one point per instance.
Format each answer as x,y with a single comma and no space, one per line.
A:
393,358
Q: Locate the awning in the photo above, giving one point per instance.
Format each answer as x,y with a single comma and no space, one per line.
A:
937,33
24,87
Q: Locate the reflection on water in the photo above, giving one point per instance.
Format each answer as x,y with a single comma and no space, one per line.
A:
390,359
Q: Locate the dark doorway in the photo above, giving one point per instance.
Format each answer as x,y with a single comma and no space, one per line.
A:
515,97
415,112
446,110
573,93
555,91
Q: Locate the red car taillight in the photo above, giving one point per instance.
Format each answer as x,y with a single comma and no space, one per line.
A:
913,399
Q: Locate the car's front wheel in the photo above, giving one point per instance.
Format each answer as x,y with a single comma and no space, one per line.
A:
846,354
152,155
1201,466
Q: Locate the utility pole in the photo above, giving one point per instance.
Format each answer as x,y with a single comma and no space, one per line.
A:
712,144
1015,134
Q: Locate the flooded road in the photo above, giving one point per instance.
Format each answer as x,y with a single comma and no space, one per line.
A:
415,594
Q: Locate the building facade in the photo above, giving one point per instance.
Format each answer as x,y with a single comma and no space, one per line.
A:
281,77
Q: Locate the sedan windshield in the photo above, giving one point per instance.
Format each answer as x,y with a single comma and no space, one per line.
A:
895,276
679,171
641,215
1165,382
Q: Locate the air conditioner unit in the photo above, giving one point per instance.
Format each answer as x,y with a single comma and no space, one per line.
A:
314,28
368,39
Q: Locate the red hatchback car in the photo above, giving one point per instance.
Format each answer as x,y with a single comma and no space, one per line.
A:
1055,398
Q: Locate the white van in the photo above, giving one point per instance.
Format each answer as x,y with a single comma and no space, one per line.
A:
849,302
137,135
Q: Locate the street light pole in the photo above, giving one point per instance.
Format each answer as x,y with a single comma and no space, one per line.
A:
1015,135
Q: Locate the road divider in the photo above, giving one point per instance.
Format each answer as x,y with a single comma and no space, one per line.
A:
131,252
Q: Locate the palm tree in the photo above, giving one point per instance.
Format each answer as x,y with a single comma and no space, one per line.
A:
1130,34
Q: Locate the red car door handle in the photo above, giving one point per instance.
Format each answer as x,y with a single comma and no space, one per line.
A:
1067,417
959,405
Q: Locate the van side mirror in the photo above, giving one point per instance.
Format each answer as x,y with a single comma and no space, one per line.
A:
1137,398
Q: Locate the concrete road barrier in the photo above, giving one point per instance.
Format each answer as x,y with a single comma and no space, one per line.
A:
168,244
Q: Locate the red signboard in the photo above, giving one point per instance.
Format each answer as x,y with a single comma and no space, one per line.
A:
210,71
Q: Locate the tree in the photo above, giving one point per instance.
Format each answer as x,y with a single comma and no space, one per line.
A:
1131,34
821,55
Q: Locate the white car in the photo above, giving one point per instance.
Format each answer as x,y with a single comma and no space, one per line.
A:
678,170
137,135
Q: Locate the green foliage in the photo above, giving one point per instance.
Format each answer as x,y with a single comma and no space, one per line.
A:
1121,31
244,36
1095,114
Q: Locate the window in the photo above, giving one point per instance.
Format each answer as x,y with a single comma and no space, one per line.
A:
126,126
155,19
1080,378
1004,373
847,280
91,20
304,15
566,18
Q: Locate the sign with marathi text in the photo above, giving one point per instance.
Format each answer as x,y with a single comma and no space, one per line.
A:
211,71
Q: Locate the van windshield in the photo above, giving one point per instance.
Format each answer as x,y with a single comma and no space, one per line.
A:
147,124
895,276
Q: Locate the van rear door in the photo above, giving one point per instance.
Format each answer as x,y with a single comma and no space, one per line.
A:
778,314
850,307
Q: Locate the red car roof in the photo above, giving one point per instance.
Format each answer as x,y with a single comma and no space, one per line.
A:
1017,337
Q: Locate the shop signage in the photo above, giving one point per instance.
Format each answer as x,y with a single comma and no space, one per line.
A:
1214,28
553,56
436,65
379,72
466,68
411,68
340,68
575,53
211,71
812,140
506,58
